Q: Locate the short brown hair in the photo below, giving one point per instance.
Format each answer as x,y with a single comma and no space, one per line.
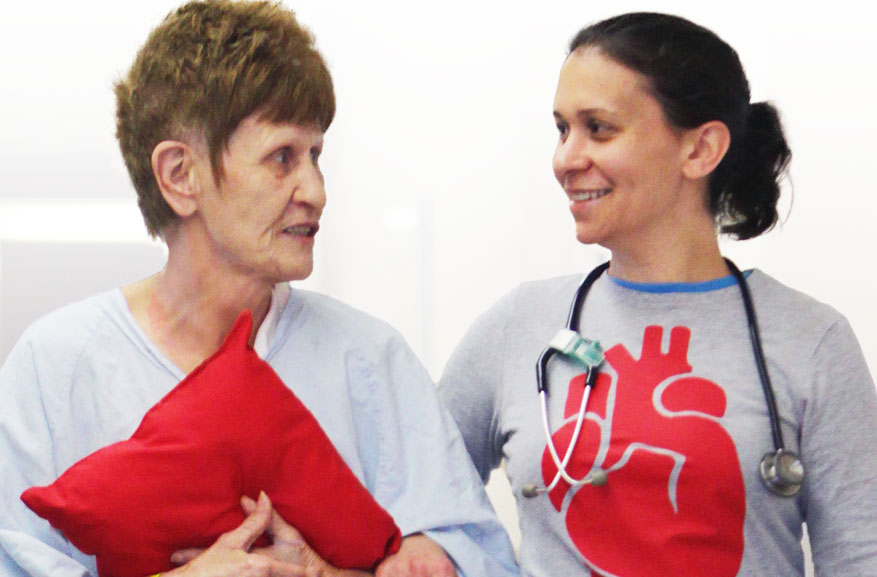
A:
205,68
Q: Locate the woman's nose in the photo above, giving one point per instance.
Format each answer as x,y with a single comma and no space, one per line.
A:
571,154
311,189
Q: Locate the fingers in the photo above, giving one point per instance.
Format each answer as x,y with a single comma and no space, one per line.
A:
231,555
277,527
248,504
279,569
184,556
254,525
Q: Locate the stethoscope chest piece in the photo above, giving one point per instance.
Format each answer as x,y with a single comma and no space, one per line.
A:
782,472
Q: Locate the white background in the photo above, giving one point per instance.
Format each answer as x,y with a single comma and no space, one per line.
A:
438,165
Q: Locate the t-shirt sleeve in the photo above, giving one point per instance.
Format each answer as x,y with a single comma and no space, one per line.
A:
471,387
838,440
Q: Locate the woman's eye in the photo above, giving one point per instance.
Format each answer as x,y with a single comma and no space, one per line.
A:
315,156
562,129
281,156
597,128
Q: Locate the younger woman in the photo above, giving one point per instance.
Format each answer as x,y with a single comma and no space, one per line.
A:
685,459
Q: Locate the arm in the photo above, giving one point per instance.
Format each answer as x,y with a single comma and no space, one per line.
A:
28,545
470,385
379,406
427,480
838,436
419,556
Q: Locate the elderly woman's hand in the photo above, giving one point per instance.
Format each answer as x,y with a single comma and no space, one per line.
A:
419,556
230,556
288,545
289,555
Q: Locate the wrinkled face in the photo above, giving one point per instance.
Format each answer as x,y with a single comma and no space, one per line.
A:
617,158
262,216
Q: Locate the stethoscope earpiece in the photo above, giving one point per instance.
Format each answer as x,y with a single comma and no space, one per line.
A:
782,472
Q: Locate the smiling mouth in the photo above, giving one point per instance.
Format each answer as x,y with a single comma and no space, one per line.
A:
588,194
308,230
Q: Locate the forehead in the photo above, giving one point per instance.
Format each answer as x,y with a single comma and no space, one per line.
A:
256,131
590,80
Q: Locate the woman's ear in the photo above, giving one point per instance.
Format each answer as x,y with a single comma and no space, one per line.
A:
172,165
708,144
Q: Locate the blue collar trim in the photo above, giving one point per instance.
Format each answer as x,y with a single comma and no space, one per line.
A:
679,287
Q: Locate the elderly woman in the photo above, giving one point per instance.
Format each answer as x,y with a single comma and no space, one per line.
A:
221,121
673,437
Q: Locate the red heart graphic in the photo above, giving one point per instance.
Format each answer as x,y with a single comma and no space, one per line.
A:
675,502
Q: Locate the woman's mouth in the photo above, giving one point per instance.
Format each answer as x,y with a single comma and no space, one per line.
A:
583,195
308,230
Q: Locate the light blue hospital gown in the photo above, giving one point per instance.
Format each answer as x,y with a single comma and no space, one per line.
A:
83,377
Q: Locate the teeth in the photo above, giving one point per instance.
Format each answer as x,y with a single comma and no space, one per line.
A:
589,194
300,230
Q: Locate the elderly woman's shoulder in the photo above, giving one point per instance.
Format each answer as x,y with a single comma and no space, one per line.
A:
326,311
74,321
64,333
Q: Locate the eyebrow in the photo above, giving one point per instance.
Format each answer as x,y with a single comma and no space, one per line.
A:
585,113
290,138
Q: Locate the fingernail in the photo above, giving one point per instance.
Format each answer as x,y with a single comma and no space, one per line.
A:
263,498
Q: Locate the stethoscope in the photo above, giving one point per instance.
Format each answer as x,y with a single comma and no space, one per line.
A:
781,470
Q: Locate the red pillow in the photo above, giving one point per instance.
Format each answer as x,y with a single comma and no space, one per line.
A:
230,428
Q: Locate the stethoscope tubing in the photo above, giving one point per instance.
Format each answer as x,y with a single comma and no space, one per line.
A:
758,353
574,312
561,469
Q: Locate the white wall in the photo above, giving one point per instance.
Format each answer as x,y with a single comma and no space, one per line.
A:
441,196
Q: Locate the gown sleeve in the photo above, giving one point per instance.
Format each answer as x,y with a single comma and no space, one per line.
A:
28,544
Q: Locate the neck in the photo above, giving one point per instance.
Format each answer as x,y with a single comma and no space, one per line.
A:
682,255
189,307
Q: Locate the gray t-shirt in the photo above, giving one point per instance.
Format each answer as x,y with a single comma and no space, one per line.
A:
678,419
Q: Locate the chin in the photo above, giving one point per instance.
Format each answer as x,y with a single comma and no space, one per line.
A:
298,273
287,272
587,235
